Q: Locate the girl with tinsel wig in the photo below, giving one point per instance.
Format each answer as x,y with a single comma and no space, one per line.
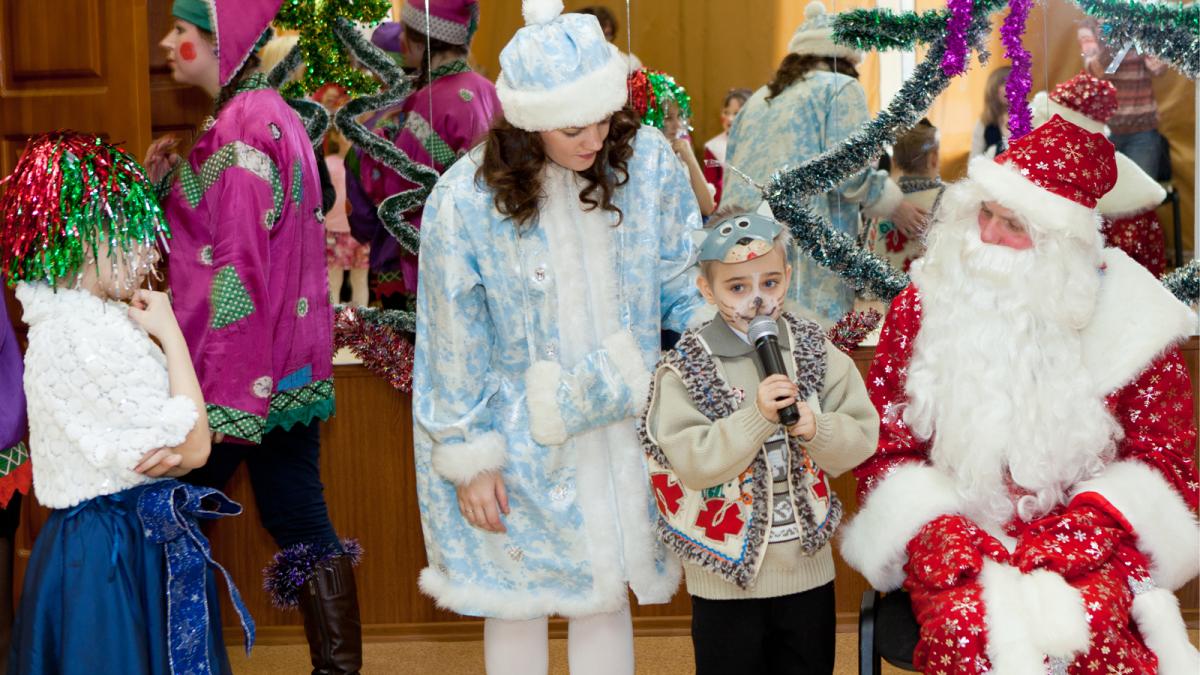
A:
665,105
247,270
551,257
120,579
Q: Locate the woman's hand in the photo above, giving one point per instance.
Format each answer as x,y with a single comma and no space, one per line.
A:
152,311
483,500
806,428
774,394
160,159
910,219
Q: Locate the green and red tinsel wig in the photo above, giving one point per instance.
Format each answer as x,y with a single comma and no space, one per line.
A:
650,91
69,192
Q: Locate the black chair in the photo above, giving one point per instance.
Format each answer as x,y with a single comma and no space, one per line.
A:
887,630
1172,198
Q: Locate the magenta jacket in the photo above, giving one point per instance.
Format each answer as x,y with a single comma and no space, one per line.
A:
247,268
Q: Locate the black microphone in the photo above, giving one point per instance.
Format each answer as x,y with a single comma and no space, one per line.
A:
764,333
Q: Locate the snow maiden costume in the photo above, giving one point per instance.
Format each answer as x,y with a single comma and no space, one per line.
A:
247,270
1040,507
1130,221
120,579
534,345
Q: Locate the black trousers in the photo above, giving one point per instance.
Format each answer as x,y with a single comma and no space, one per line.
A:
788,635
285,473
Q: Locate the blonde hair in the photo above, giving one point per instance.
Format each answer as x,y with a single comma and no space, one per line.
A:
274,51
995,106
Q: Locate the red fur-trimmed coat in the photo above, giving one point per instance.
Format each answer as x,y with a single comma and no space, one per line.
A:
1085,588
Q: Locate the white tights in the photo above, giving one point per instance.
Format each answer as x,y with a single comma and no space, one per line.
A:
601,644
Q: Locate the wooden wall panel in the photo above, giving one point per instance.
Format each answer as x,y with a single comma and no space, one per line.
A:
34,61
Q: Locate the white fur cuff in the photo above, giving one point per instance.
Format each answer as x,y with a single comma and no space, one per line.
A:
460,462
546,423
887,203
1029,616
1165,527
624,352
904,501
1158,620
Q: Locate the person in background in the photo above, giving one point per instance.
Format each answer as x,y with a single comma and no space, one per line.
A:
665,105
812,104
915,156
608,23
15,471
1134,125
714,148
990,136
343,253
451,109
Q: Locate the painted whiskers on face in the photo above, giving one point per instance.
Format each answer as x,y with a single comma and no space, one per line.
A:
747,297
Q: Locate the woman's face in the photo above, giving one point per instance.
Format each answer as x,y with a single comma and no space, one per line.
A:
575,148
192,58
729,112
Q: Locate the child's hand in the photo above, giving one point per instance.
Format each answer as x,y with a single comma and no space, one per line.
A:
152,311
806,428
683,149
160,159
774,394
483,500
159,462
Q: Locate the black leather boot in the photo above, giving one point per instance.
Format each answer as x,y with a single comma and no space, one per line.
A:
329,603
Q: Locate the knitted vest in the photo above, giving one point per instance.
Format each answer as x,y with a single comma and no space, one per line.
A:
723,528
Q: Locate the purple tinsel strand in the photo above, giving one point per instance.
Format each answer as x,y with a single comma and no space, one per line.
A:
954,60
1020,80
294,566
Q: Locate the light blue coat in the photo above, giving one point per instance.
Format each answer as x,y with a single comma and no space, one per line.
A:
808,118
489,378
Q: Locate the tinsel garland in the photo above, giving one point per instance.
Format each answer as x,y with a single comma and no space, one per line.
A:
954,61
882,29
1184,282
377,338
850,330
392,210
1170,32
325,60
790,191
69,192
649,93
1020,79
314,115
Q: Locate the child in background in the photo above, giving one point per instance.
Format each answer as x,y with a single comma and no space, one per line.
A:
916,159
119,578
666,106
743,501
343,253
714,149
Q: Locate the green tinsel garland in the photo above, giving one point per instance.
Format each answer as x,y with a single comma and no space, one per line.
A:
1184,282
325,61
395,319
392,210
1169,32
881,29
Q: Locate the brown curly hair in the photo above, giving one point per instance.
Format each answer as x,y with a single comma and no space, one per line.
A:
513,159
796,67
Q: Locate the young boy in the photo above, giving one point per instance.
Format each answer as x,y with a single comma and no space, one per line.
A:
743,501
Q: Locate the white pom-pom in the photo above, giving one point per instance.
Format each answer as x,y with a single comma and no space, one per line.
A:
537,12
814,9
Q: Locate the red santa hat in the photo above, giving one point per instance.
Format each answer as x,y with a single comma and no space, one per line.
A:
1083,100
1052,177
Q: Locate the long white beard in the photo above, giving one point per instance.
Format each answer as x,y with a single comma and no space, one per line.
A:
997,379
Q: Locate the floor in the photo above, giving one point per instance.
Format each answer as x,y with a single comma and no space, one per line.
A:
655,656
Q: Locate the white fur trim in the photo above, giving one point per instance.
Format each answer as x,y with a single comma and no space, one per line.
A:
1165,527
895,511
546,423
702,315
886,205
460,462
1136,318
1030,616
1046,210
1044,105
1156,613
517,605
1135,192
540,11
584,101
623,351
819,42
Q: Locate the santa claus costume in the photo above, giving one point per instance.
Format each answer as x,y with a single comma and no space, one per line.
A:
1034,487
1130,222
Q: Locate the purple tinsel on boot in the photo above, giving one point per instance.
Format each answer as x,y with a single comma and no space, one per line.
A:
293,567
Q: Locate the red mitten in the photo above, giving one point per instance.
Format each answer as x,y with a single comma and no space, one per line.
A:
1075,542
950,550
